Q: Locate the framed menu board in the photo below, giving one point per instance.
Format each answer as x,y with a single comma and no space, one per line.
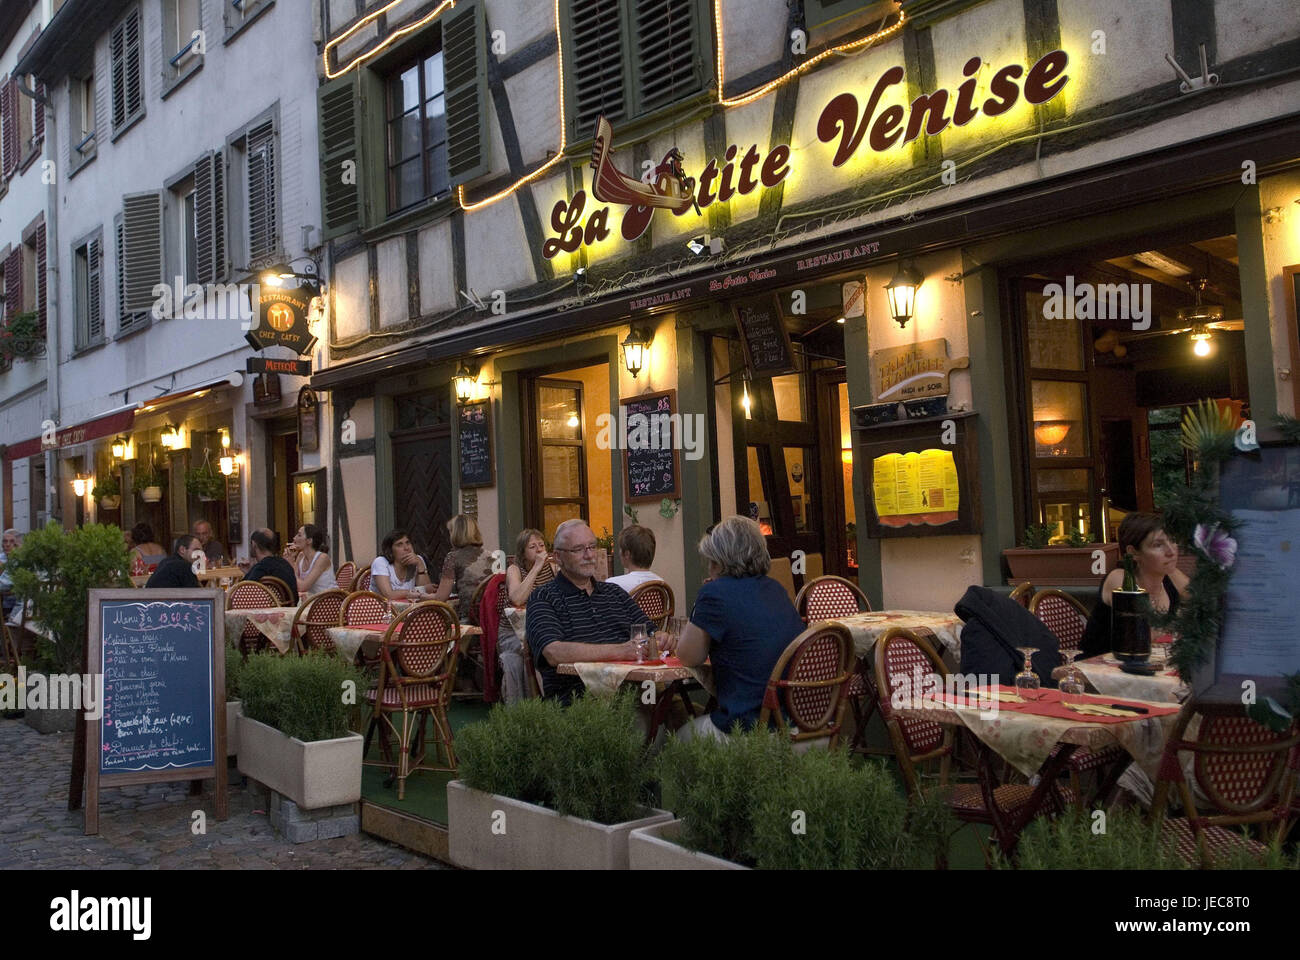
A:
474,422
763,335
652,468
162,717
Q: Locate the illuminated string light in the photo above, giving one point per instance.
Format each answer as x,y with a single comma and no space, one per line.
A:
771,85
388,41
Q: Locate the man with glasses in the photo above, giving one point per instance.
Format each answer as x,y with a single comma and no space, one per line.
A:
576,618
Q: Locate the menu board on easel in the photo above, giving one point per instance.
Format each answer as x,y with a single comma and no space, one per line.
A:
162,714
652,467
474,422
763,335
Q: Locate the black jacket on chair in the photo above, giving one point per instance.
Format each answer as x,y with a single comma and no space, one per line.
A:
994,627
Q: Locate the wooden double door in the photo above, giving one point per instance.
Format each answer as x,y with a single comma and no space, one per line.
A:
422,481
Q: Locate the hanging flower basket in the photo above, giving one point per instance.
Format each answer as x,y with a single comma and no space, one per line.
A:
205,483
108,492
148,483
21,337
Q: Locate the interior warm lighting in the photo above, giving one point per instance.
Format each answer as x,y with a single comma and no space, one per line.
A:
1201,340
901,292
839,320
227,465
79,486
635,346
1051,432
170,436
745,400
119,448
225,439
465,381
572,421
847,454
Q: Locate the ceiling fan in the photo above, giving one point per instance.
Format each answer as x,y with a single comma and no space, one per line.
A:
1198,320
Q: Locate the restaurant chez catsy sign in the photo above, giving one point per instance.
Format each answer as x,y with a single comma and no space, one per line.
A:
842,122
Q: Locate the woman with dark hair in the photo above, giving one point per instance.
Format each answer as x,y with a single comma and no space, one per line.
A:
314,569
143,544
529,571
1142,535
399,569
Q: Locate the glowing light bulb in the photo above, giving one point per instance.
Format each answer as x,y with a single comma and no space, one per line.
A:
1202,348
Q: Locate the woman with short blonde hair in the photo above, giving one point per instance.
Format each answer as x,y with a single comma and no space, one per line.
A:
464,531
738,547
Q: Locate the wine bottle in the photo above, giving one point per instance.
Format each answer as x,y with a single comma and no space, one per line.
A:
1130,574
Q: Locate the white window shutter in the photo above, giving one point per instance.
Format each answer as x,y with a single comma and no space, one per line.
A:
210,217
141,251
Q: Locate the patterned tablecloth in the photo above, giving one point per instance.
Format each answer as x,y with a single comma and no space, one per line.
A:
518,618
1106,677
606,677
274,623
1025,740
867,628
348,640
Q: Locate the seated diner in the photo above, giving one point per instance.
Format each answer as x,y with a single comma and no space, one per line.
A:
528,572
636,547
399,570
264,545
176,570
314,569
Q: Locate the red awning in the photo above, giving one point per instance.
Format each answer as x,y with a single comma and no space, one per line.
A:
119,422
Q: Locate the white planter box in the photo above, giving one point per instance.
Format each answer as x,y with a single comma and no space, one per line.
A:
323,773
652,848
530,837
234,710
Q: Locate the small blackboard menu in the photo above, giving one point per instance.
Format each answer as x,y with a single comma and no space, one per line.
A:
651,442
161,653
763,334
475,444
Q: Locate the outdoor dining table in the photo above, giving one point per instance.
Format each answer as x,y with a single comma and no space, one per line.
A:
867,628
366,637
605,677
274,623
1106,677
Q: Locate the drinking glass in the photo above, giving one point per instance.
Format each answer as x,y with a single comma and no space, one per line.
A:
1072,683
642,641
1027,682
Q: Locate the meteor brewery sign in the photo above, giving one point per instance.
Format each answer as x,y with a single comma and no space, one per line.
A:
843,122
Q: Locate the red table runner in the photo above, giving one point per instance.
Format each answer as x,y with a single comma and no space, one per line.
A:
1049,704
665,662
377,627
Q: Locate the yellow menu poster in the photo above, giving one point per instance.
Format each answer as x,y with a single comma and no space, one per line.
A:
915,488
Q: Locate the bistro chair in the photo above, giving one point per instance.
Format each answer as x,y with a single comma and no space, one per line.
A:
345,574
416,674
1246,771
655,599
314,618
808,685
1062,614
10,651
814,567
901,655
829,598
533,676
280,589
246,595
476,600
362,608
1023,593
363,579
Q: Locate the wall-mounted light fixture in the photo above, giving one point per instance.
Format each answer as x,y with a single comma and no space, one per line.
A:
229,456
307,501
171,437
635,346
745,400
119,448
901,292
465,381
79,486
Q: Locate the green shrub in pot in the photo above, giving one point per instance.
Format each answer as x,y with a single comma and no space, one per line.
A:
106,487
234,666
1123,841
302,697
505,754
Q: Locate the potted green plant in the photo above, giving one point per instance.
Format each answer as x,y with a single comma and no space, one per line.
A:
205,483
108,492
605,544
148,483
1073,560
55,569
293,728
21,337
549,787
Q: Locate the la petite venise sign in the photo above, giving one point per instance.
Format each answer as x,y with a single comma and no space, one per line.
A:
846,121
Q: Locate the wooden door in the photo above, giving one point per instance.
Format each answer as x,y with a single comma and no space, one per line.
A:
422,481
554,422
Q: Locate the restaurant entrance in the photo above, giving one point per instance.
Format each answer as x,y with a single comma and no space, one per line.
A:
422,482
282,446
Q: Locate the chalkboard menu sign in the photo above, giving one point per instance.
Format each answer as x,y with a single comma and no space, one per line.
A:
763,334
475,444
651,440
234,509
162,716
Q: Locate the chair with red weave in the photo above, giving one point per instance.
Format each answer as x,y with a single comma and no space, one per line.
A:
809,685
829,598
1245,771
249,595
278,587
655,599
363,608
344,576
363,580
416,675
1067,618
314,618
901,657
1023,593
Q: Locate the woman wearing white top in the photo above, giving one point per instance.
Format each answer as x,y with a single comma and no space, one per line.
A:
314,569
398,570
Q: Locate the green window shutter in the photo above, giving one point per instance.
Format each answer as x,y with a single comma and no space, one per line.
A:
94,294
464,46
141,250
340,153
667,61
595,67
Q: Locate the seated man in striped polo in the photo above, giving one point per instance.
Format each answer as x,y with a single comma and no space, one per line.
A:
576,618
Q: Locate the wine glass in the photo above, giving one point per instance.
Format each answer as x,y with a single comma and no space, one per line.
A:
1027,679
641,639
1072,682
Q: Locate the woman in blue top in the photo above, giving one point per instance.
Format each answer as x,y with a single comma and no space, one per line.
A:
743,620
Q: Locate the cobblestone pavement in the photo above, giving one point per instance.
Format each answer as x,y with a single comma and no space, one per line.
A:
149,826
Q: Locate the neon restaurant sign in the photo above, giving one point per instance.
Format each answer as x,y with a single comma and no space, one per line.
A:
843,122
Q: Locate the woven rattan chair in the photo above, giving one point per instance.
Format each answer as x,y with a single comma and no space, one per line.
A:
360,608
344,576
246,595
10,651
416,675
809,683
363,580
1065,616
1247,773
656,601
1023,593
533,676
283,595
314,618
829,598
900,657
476,600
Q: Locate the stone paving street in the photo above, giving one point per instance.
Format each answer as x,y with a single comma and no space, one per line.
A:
148,826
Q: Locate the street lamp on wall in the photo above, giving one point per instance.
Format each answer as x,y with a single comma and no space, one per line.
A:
465,381
119,448
901,292
79,486
635,347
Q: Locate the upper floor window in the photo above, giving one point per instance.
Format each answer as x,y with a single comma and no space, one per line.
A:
82,111
417,133
182,39
627,58
241,12
124,70
88,292
255,193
